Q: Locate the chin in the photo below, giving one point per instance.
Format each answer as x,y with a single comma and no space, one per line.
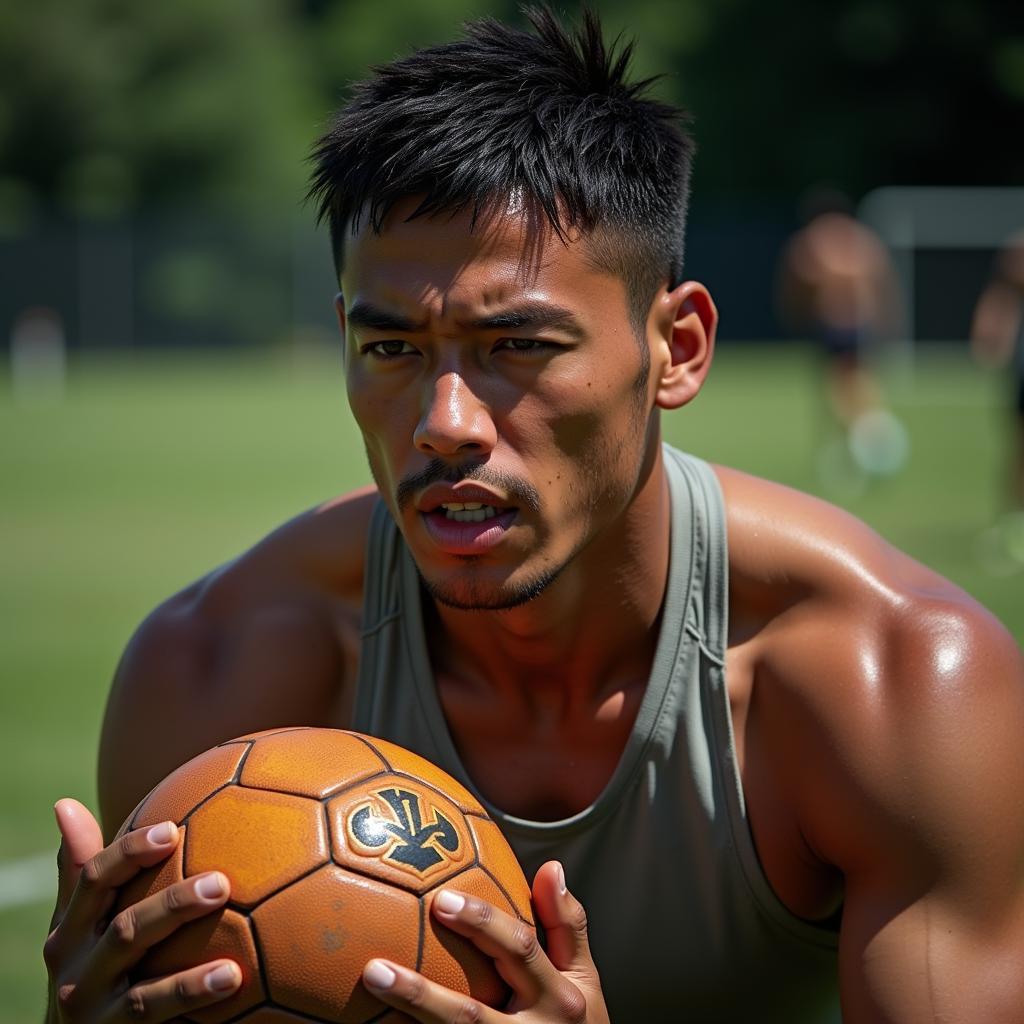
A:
483,595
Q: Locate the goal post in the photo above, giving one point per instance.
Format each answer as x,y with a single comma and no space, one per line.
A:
942,241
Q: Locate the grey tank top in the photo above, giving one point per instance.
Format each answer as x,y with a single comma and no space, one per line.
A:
683,923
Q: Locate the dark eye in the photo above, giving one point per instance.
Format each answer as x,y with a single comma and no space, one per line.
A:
521,344
389,349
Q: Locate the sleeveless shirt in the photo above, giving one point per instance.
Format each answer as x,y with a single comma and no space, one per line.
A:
683,924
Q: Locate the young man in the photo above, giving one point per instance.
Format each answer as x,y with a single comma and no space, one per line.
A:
769,771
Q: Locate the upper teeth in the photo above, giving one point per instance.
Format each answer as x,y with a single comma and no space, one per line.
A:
468,511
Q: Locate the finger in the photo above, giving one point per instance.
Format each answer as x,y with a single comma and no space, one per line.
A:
564,920
512,944
138,927
80,839
176,994
421,999
114,865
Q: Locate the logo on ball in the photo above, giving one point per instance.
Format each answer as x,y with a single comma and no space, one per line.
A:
394,827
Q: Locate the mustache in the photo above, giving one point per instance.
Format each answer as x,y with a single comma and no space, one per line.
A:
520,491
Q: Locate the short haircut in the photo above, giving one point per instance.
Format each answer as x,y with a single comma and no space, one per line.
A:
544,117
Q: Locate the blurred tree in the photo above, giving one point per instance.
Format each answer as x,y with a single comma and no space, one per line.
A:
173,135
171,116
349,37
856,92
108,105
105,104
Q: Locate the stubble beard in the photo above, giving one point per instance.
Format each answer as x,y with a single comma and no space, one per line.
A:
471,595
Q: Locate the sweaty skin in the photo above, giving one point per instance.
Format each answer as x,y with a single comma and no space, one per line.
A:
878,710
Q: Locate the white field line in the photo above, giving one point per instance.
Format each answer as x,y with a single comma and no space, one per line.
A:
29,880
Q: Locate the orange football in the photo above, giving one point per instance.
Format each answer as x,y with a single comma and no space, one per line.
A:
335,844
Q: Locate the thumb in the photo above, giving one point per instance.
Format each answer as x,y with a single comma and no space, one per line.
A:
564,921
80,840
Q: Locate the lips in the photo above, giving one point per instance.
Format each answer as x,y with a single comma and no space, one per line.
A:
458,496
465,519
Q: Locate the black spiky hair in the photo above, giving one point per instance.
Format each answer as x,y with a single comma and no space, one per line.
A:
546,116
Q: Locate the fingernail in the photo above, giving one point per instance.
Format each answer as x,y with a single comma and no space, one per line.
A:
211,887
63,809
162,834
220,979
378,975
561,881
449,902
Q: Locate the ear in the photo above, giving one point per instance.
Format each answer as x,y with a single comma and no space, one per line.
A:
685,320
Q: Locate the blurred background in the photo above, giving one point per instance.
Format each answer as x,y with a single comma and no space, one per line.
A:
170,388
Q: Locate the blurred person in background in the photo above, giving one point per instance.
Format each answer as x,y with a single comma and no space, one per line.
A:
836,282
997,341
38,355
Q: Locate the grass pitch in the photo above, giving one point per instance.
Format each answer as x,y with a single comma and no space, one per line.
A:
153,469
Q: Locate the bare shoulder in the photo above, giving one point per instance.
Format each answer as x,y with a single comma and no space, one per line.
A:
905,694
792,552
271,638
317,557
801,545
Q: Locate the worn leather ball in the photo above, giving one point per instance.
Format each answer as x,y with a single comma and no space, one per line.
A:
335,843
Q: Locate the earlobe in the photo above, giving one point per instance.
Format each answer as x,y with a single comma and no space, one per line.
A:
688,341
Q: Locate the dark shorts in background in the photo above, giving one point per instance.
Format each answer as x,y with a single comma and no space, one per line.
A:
841,342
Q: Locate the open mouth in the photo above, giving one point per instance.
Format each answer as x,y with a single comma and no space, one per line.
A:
468,512
468,527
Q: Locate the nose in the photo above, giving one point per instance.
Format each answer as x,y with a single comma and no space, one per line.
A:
454,420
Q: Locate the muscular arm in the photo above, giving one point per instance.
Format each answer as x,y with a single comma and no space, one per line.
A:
886,719
933,847
263,642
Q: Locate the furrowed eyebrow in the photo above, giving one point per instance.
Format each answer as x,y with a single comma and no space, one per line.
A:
531,316
365,314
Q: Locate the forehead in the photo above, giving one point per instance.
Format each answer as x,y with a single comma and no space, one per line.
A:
448,256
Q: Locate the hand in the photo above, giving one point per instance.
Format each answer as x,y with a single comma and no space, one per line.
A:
560,985
88,956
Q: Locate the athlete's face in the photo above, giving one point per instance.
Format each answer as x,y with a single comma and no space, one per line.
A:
503,397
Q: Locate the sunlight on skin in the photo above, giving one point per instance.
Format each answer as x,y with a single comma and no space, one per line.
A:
949,658
611,707
871,671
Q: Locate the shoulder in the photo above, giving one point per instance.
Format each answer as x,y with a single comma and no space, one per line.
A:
787,548
807,575
904,692
308,571
268,639
884,717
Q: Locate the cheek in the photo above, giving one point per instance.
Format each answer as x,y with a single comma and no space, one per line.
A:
379,425
376,411
363,400
603,427
575,435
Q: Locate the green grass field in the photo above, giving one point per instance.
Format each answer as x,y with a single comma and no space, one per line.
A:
153,469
